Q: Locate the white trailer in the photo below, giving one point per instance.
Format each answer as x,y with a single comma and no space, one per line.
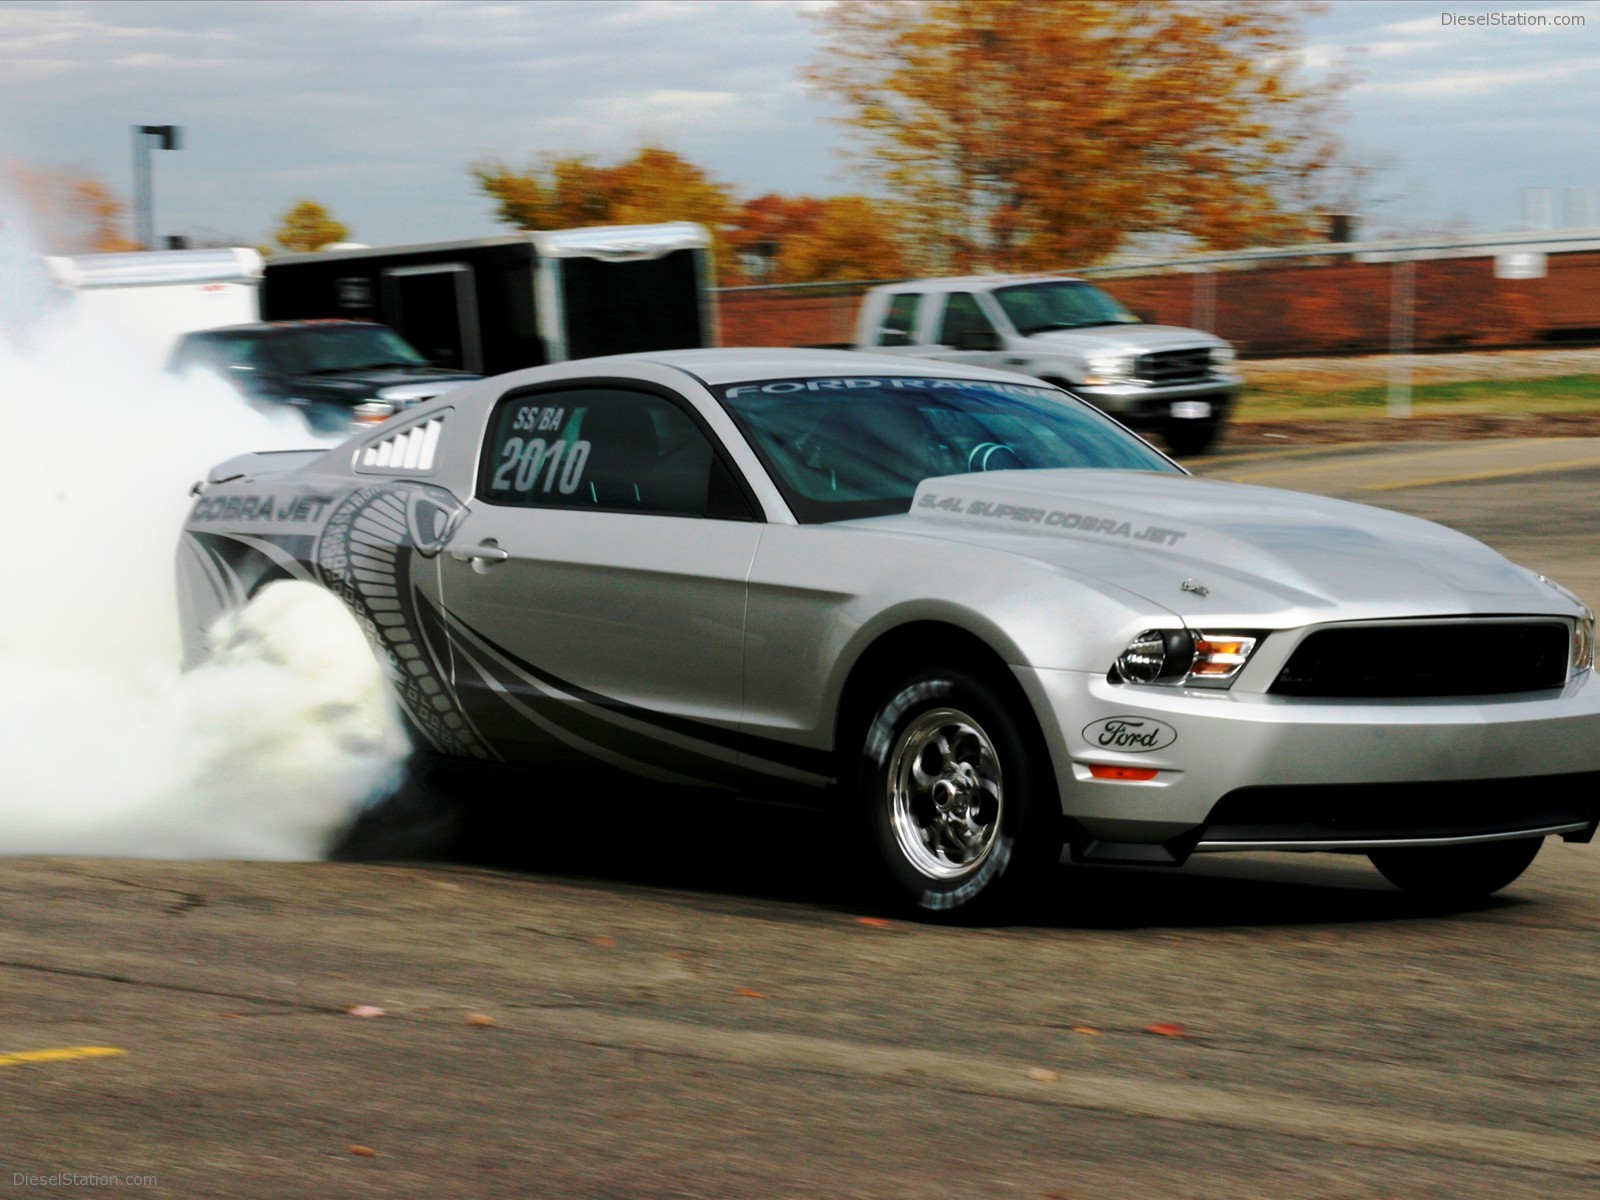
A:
156,296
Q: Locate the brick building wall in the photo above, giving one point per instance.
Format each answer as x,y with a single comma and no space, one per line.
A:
1304,307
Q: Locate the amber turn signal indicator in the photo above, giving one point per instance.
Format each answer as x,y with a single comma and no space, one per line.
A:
1124,774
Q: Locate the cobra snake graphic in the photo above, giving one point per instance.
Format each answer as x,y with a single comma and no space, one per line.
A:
373,541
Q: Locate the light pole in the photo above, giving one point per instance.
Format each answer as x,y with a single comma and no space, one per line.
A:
166,138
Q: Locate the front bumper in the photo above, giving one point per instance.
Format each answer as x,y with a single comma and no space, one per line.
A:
1158,406
1257,771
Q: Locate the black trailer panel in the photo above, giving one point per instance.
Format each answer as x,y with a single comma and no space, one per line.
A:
624,307
500,304
470,306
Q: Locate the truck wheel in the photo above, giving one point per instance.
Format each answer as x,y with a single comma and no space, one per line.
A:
960,800
1456,872
1192,437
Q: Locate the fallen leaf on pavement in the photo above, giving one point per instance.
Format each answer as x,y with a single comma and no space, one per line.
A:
480,1019
1041,1075
366,1010
872,922
1165,1029
363,1152
751,994
1086,1030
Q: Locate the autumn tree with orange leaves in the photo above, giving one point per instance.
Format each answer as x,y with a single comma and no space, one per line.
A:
72,212
803,239
564,192
556,192
1022,135
309,226
769,239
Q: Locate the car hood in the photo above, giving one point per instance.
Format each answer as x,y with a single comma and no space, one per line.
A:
1141,338
1213,551
376,377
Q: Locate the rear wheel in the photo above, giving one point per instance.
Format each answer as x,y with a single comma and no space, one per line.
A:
1456,872
958,794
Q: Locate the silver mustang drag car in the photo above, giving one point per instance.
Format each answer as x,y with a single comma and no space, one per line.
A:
980,618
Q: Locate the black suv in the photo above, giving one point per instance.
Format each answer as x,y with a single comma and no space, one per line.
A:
339,374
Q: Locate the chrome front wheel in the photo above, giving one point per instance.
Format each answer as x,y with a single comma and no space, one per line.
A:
957,788
945,794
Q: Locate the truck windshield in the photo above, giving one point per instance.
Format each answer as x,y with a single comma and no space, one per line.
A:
842,448
1060,304
328,349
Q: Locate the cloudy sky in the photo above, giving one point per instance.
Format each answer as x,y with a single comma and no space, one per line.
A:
378,109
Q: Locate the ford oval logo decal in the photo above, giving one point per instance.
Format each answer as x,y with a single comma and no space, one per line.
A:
1131,735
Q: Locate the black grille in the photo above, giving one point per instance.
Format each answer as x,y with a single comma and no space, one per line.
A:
1174,366
1485,658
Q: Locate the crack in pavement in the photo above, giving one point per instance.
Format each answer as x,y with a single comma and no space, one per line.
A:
154,985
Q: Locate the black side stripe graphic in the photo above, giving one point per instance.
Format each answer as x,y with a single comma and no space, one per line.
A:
800,758
562,725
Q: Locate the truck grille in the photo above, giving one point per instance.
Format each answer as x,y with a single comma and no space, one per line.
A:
1173,366
1460,658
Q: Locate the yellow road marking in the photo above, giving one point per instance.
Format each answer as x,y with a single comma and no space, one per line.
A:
1502,473
65,1052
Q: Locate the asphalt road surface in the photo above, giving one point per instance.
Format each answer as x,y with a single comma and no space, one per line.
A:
611,1003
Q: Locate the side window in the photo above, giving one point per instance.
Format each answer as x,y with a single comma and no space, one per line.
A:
963,321
238,351
900,322
605,449
218,352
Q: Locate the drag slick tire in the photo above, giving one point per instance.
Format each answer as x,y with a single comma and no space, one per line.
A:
960,801
1456,872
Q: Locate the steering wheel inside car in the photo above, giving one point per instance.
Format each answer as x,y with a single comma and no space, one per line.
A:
993,456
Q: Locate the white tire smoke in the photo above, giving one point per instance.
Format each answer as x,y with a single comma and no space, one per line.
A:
267,751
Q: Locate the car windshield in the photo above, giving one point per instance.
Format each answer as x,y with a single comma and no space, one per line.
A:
1060,304
331,348
858,446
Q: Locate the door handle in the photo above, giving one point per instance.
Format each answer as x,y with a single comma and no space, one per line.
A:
482,556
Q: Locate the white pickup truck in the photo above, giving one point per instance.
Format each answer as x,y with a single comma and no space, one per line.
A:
1176,383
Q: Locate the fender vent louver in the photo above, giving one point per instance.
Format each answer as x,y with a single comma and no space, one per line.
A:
410,451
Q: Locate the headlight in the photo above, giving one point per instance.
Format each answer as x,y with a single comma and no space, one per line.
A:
370,412
1184,657
1156,655
1223,356
1109,366
1583,642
